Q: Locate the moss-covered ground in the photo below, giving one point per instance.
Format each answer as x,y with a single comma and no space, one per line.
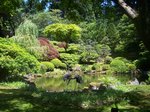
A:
15,99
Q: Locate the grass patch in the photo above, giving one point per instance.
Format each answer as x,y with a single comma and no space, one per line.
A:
12,85
23,100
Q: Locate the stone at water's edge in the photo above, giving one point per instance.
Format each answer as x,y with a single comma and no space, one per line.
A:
97,86
30,79
134,82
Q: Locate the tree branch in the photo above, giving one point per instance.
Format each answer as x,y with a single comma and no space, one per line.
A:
130,11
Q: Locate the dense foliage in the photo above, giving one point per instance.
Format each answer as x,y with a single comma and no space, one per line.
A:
15,60
92,40
69,59
43,19
63,32
58,64
122,65
26,36
46,66
49,51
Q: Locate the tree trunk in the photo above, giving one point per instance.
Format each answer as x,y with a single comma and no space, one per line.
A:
141,19
143,22
131,12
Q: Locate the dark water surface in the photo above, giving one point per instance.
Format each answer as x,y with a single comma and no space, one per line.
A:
57,83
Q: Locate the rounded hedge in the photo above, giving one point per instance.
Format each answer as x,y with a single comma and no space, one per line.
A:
97,66
69,59
89,57
58,64
47,66
118,66
63,32
73,48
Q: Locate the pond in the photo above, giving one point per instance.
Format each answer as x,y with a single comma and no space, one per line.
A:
58,84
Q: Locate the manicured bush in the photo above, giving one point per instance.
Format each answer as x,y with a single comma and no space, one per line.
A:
69,59
47,66
103,50
73,48
118,66
63,66
61,50
15,60
97,66
123,59
88,57
58,64
100,67
87,68
55,43
123,65
63,32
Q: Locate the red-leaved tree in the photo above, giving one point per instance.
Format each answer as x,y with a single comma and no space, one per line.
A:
50,51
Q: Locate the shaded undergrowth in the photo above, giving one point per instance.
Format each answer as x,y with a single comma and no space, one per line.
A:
28,100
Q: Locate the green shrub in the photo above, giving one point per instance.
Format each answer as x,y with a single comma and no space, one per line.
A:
89,57
105,67
26,36
55,43
103,50
63,32
73,48
63,66
69,59
97,66
100,67
131,66
47,66
123,59
108,60
118,66
15,60
123,65
61,50
27,28
86,68
58,64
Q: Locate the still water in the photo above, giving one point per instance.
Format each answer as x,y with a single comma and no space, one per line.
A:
58,84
